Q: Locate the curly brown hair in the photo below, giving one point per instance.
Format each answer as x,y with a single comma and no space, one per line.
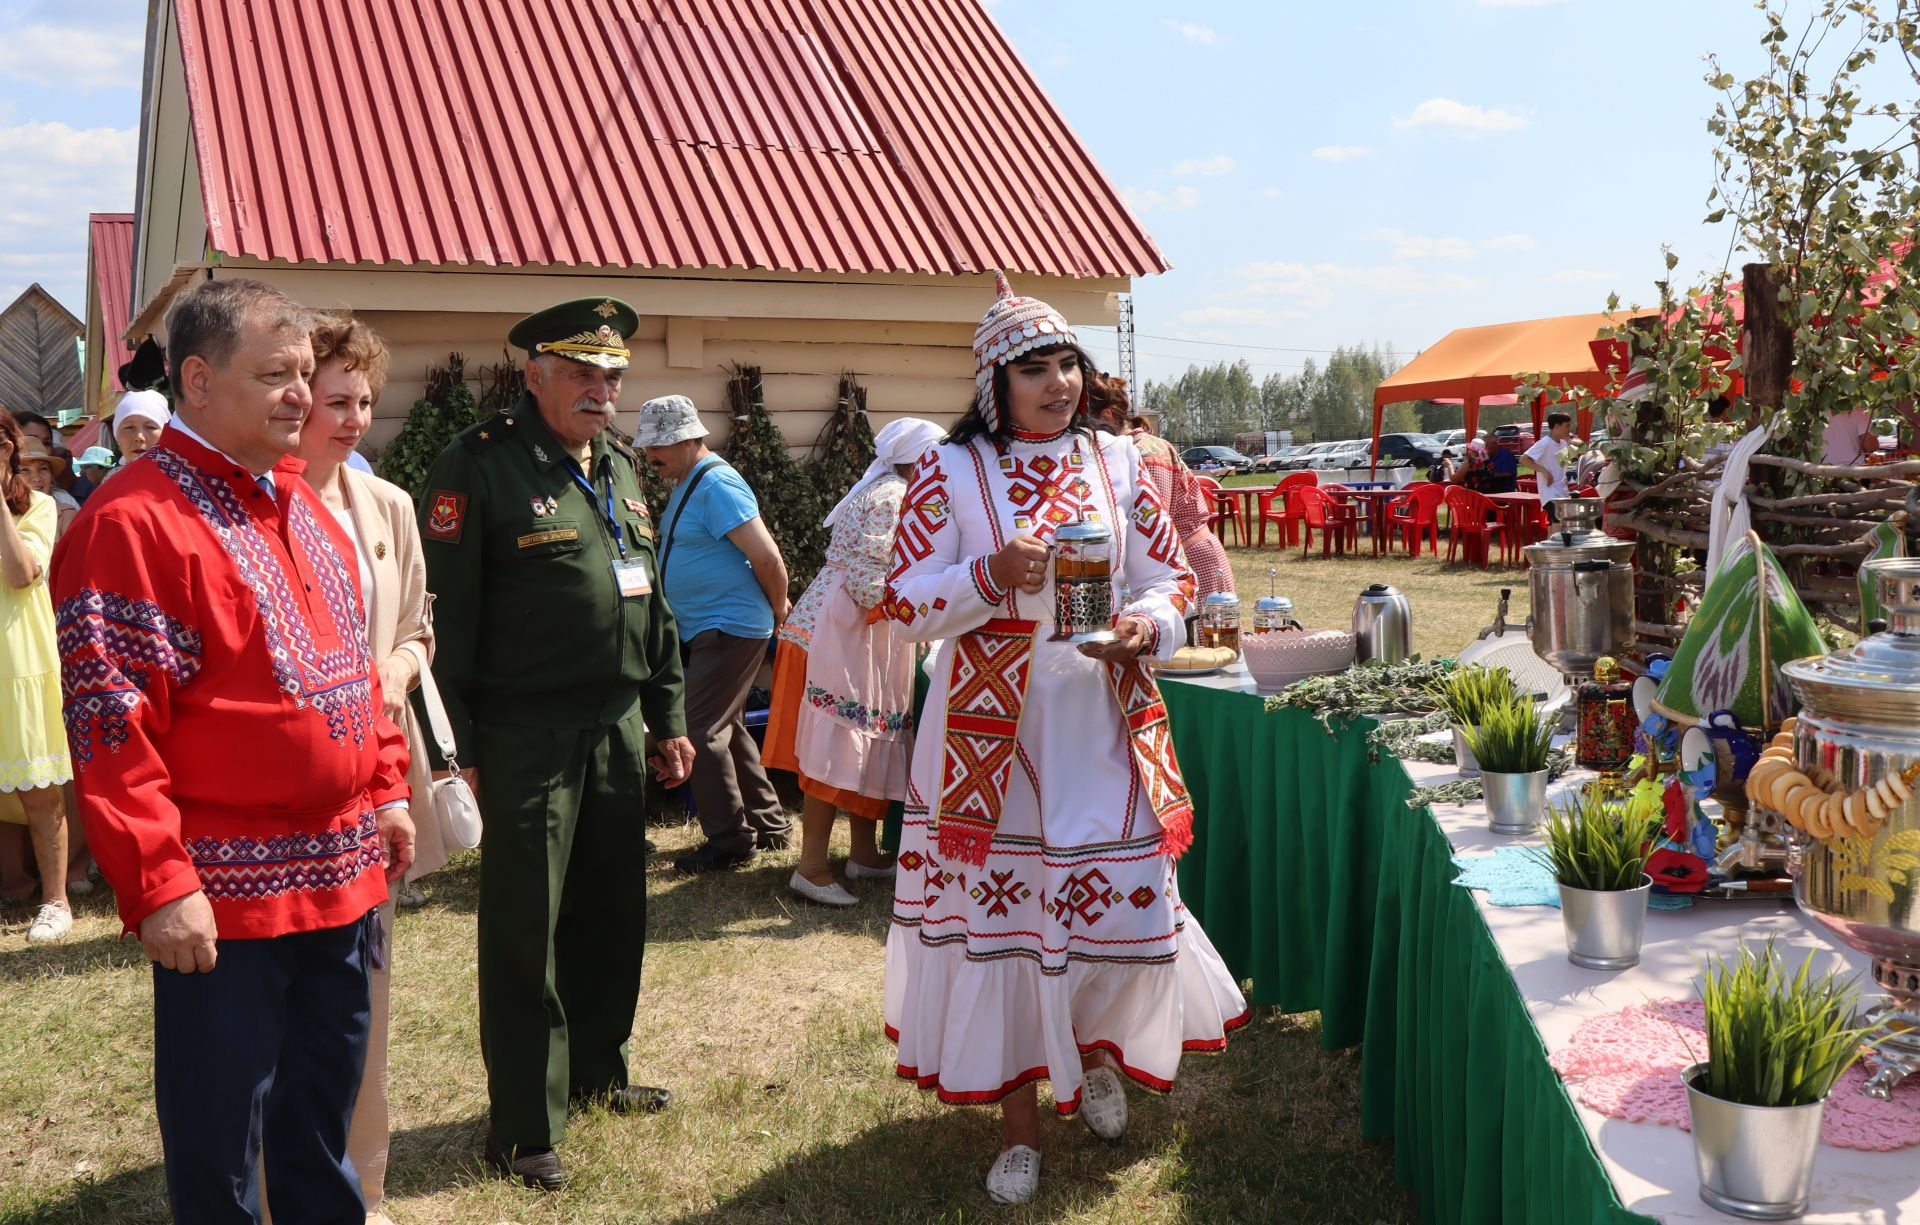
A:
339,336
13,481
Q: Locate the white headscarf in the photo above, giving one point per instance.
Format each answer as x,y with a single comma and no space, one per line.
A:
148,405
899,442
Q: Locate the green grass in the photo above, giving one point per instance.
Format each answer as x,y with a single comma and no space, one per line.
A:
763,1015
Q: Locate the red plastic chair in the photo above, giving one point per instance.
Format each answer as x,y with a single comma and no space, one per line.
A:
1339,526
1417,515
1226,509
1285,515
1475,522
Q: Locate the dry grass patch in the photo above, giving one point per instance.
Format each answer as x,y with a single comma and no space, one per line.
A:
763,1015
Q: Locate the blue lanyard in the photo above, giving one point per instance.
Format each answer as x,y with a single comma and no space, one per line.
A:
613,525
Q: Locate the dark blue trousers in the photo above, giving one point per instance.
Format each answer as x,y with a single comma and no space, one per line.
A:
258,1062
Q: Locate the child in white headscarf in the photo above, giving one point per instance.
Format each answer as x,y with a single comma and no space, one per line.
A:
842,716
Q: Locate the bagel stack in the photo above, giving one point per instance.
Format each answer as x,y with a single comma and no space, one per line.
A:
1808,799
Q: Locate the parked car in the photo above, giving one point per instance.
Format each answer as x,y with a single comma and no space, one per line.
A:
1510,438
1210,459
1275,461
1343,455
1302,457
1417,449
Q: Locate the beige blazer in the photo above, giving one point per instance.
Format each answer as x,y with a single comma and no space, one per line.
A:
399,617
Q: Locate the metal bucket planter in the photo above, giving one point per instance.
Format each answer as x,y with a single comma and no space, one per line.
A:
1605,926
1754,1161
1515,802
1463,755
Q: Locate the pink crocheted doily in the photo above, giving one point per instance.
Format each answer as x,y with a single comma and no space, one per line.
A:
1627,1066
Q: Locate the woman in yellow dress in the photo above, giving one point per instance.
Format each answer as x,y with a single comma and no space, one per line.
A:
33,740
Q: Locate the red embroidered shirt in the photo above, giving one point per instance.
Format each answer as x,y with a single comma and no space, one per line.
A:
221,707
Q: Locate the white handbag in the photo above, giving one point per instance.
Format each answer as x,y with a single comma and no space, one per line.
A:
453,801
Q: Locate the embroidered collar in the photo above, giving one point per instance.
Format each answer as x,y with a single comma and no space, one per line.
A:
1020,435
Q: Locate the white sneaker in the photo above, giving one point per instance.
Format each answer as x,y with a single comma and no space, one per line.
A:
1015,1176
826,895
1103,1103
52,921
856,871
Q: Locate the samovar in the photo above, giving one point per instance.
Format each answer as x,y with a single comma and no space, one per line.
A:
1861,725
1580,587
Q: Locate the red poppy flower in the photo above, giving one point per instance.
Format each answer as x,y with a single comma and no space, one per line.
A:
1676,804
1677,871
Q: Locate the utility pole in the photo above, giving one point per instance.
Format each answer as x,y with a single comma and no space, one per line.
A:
1124,334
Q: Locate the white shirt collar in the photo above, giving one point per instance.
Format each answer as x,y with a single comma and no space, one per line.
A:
179,422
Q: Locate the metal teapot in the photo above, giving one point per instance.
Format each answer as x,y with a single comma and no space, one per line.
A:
1382,625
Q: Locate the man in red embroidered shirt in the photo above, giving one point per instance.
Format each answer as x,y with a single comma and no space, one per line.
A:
241,788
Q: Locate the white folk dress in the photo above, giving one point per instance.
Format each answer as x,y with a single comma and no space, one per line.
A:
854,729
1072,937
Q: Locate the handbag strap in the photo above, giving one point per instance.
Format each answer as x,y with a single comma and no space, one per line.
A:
673,524
437,722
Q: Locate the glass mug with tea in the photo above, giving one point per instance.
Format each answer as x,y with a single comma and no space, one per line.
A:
1083,583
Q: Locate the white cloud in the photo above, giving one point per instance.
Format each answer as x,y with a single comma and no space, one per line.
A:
1340,153
1584,276
1159,201
1274,193
1205,167
1253,316
1318,285
56,175
1454,116
1424,246
1202,35
72,58
1509,242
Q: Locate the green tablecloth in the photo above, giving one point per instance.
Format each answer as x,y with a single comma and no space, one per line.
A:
1315,880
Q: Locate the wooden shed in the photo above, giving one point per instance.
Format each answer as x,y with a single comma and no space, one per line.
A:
808,186
109,306
39,355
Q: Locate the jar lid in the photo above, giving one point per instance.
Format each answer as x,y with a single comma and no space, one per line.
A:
1273,603
1877,680
1577,537
1221,599
1083,531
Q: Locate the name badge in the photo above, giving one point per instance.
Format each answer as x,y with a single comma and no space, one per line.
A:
631,574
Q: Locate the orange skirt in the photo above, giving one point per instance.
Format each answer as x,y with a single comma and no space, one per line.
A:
789,686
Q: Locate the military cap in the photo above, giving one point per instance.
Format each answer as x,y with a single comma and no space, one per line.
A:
591,330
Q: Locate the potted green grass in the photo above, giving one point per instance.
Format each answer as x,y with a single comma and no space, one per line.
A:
1466,694
1597,851
1511,744
1776,1045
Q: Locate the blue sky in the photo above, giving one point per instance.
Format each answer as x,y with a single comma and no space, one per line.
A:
1318,173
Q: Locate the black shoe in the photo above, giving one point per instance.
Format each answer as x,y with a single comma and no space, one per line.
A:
538,1168
633,1099
772,842
653,848
710,858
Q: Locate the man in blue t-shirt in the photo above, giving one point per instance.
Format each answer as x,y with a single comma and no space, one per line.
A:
726,582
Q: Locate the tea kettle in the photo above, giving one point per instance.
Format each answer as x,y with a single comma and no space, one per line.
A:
1382,625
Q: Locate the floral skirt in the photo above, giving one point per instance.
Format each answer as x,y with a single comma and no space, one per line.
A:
855,727
789,684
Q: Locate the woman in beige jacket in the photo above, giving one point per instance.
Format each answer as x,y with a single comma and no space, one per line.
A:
350,370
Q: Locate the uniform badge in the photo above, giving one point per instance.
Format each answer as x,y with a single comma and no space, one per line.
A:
606,309
637,507
380,549
446,516
539,452
539,505
553,505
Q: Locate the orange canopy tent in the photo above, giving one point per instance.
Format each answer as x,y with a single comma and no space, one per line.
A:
1472,364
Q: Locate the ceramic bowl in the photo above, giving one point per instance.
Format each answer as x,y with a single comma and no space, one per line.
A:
1278,659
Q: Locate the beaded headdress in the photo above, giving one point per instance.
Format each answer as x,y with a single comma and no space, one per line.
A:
1013,325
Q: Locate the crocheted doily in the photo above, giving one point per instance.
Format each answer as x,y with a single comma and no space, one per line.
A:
1627,1066
1512,877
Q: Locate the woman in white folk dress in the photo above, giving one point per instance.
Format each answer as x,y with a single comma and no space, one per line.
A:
1037,928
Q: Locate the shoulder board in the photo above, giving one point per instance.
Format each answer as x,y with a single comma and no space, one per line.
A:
489,433
621,445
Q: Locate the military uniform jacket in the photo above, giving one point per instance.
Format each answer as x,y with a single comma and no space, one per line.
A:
530,622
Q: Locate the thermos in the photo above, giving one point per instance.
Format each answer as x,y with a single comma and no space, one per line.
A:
1382,625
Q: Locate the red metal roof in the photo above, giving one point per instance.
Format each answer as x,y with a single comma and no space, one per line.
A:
110,248
856,136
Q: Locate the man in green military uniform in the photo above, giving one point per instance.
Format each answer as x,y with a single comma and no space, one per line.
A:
552,646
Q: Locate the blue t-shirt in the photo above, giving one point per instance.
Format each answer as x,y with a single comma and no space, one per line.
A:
706,578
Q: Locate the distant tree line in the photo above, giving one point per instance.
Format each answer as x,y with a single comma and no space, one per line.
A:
1324,402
